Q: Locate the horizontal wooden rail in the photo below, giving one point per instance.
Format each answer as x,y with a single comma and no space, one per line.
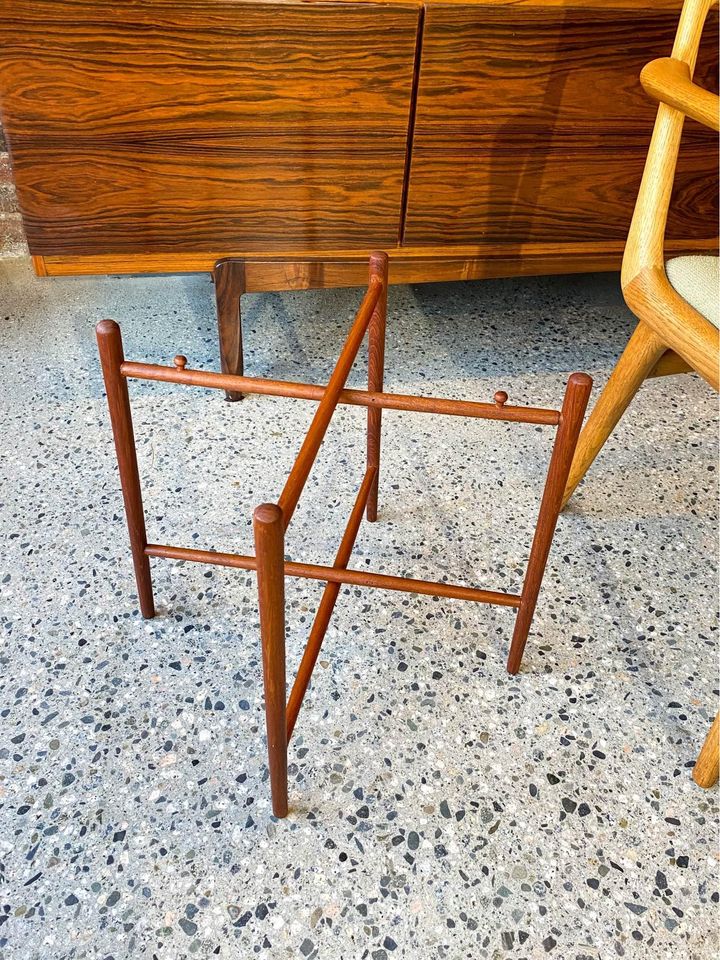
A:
356,398
358,578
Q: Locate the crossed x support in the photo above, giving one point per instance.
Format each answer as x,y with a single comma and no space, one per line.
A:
271,520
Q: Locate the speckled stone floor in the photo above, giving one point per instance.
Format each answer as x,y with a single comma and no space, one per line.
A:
440,808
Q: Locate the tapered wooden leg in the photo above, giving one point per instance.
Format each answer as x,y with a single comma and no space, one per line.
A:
640,356
229,276
577,394
705,771
376,369
110,346
270,552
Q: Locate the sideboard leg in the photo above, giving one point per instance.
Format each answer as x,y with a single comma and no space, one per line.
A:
229,278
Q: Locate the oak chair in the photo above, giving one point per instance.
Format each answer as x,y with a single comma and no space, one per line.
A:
676,303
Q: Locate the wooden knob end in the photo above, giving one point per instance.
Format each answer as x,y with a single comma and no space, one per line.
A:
500,398
180,362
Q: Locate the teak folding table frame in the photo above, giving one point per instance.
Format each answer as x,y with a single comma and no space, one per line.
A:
271,520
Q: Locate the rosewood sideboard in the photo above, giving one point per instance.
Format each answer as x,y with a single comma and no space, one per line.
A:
468,139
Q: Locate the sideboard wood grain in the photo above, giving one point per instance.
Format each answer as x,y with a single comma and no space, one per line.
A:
178,127
468,138
531,125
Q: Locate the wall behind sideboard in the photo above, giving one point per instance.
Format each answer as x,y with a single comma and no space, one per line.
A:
12,238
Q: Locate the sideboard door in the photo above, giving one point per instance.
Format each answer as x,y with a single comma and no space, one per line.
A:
532,126
173,125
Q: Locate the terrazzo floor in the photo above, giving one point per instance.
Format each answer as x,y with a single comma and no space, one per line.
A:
439,807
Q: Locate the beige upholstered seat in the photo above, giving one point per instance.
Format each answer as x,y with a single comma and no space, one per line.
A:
697,280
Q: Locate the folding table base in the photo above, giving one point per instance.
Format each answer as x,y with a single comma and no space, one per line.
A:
271,520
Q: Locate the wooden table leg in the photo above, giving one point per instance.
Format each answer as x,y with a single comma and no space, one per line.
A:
270,552
376,369
229,276
110,347
577,394
705,771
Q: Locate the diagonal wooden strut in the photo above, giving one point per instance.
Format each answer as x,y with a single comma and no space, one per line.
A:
316,433
327,602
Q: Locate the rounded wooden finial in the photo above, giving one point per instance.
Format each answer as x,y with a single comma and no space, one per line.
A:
267,514
180,362
500,398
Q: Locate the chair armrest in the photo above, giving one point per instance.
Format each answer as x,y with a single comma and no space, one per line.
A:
669,81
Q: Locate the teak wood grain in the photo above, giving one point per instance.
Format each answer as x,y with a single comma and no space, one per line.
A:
468,139
531,125
327,267
177,127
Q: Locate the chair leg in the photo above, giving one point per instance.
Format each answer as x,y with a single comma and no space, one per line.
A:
229,276
270,552
643,351
705,771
